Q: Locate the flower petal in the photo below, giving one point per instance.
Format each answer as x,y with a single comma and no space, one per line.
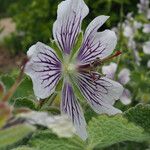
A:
110,70
71,107
44,68
68,24
148,64
97,44
100,93
59,124
146,28
124,76
146,47
126,97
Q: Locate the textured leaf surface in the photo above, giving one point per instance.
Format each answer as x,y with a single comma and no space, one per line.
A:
140,115
45,140
25,89
105,131
25,102
5,113
14,134
24,148
8,81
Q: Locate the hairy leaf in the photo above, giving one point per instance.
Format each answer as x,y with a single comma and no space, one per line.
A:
25,102
24,148
105,131
45,140
140,115
14,134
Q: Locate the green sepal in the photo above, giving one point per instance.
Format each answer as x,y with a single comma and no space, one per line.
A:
59,86
76,90
55,47
77,45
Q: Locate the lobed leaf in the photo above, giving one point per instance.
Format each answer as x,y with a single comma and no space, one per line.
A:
23,148
45,140
105,131
25,102
140,115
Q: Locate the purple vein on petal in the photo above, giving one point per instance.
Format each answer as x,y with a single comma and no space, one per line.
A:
44,68
71,107
68,24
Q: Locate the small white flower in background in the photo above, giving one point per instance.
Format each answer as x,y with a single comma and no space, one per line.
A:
123,78
146,47
60,124
148,14
146,50
128,31
143,7
128,28
137,25
146,28
110,70
148,64
132,46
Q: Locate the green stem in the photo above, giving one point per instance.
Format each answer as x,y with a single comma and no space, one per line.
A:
12,90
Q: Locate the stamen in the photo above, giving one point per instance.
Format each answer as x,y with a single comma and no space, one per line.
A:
97,62
111,57
94,76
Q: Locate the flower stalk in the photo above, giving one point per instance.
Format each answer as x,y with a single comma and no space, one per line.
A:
11,91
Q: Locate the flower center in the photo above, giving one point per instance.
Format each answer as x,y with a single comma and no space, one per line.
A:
68,66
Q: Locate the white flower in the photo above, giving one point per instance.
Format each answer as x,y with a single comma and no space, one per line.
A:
146,28
110,70
148,14
146,47
46,68
143,7
148,64
61,125
137,25
123,78
128,31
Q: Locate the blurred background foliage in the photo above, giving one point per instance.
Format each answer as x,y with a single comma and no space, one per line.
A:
34,19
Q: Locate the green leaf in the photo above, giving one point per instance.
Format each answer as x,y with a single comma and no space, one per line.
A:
45,140
23,148
8,81
105,131
5,113
25,89
12,135
140,115
25,102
